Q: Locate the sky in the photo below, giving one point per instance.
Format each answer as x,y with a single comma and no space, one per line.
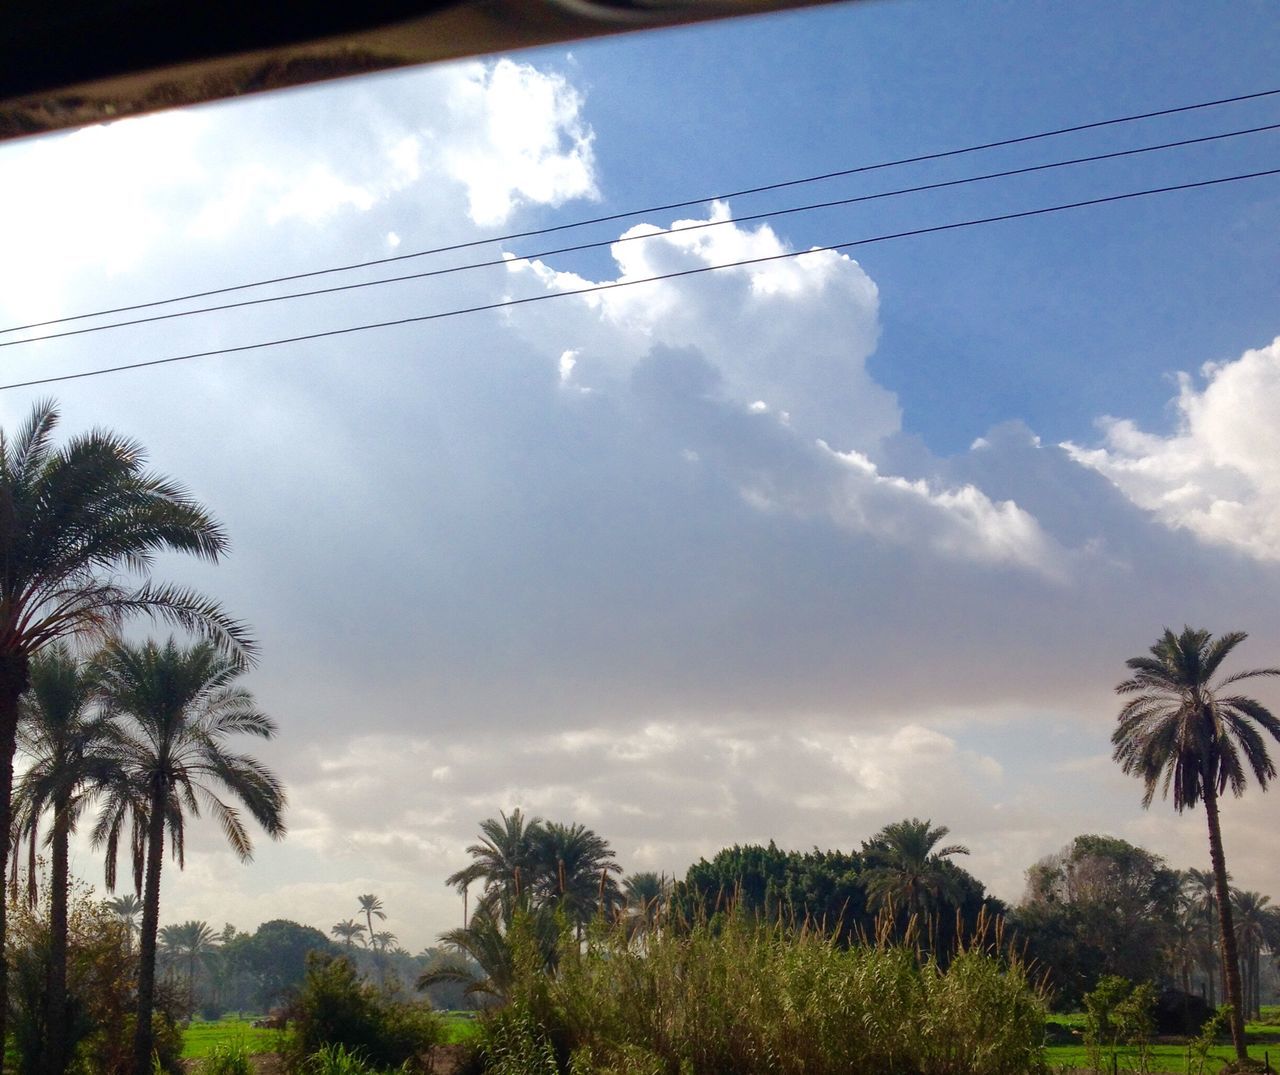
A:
785,551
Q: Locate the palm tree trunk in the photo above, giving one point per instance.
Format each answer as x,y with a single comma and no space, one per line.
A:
14,680
147,941
1230,960
56,998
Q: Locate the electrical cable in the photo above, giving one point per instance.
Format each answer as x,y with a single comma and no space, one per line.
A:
508,303
508,259
784,184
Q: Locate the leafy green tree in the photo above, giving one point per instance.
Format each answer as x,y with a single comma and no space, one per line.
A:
70,749
909,871
275,957
183,704
488,949
1100,906
1181,731
75,522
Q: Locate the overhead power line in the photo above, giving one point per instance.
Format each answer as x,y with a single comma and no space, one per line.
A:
595,288
764,188
657,233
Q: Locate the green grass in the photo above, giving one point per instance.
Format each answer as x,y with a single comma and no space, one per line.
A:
200,1038
459,1027
1263,1038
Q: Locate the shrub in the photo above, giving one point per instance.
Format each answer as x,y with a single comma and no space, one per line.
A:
733,996
228,1058
334,1008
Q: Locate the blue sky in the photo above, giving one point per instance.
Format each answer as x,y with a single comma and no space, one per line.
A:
785,553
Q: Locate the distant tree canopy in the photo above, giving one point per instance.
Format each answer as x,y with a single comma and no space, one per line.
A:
1099,906
275,957
828,888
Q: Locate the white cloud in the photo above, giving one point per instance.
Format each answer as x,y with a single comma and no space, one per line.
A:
518,137
1218,474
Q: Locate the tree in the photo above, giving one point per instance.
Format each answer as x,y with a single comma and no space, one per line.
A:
127,908
191,941
1101,906
1253,917
573,870
1200,890
276,957
347,931
371,905
75,521
184,703
71,752
909,871
506,858
647,895
1181,731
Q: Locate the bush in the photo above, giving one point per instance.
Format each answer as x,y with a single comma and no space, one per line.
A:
228,1058
334,1008
732,996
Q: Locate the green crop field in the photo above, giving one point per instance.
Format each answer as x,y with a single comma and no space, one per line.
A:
200,1037
1165,1059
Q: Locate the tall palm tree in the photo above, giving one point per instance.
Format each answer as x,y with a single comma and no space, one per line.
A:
347,931
127,908
72,753
911,871
1181,731
183,703
371,905
191,941
506,859
75,521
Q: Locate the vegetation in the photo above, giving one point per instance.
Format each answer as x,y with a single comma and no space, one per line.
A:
74,521
335,1009
736,995
185,704
1180,731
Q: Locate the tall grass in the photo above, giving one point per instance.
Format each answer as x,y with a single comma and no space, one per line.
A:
732,997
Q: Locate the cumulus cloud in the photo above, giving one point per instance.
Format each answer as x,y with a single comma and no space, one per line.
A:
1218,474
519,136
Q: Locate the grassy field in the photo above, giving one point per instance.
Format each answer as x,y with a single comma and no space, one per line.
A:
1264,1039
200,1037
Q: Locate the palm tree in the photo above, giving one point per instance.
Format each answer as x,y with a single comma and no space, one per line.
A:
572,871
72,521
506,859
488,942
1181,731
911,871
348,930
1253,931
371,905
193,941
184,704
127,908
383,940
1200,889
71,752
647,895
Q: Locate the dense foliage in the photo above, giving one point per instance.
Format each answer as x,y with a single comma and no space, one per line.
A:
736,995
